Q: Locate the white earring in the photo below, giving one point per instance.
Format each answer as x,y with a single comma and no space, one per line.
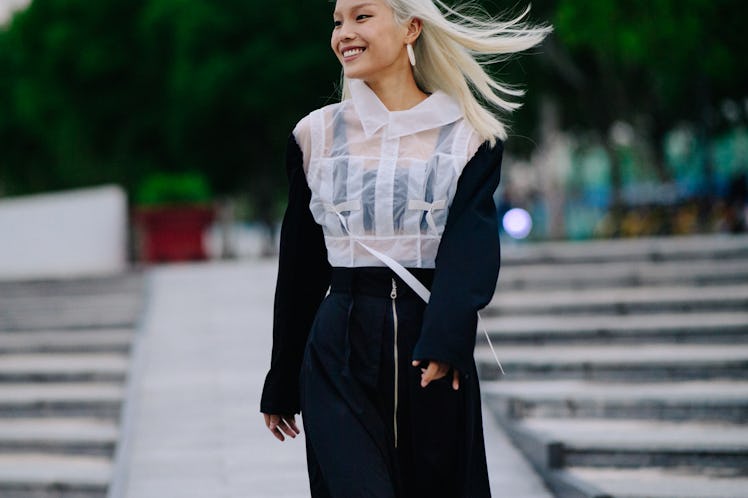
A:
411,54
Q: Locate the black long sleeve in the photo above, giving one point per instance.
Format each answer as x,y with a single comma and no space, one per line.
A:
467,265
303,278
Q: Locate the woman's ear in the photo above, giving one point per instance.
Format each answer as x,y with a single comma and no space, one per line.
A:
414,30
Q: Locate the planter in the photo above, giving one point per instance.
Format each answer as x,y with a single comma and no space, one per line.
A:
172,233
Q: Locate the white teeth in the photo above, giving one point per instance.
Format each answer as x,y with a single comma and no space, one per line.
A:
352,51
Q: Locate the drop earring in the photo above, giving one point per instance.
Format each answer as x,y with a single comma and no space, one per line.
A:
411,54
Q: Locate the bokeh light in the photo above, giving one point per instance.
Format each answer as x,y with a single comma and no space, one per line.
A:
517,223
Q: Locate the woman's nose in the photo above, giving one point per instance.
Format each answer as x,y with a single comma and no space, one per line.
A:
345,33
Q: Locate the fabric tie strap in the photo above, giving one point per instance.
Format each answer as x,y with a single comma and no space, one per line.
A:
429,208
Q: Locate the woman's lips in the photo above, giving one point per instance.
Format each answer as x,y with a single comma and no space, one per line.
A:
352,53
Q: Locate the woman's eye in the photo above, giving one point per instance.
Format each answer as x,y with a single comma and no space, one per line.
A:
361,17
336,24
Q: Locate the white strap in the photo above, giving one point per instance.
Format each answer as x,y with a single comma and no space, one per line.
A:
429,208
401,271
353,205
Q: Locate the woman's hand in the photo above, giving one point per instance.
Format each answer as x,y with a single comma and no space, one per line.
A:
279,424
435,371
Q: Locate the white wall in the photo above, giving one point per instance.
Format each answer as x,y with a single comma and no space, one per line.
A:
73,233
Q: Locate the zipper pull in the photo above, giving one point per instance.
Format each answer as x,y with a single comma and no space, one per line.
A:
393,294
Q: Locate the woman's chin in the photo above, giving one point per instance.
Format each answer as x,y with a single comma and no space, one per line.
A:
356,72
353,74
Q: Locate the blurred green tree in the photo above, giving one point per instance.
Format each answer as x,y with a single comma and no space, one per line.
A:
110,91
651,63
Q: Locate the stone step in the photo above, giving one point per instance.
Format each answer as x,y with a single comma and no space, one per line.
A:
689,248
67,436
696,327
629,362
725,401
557,443
620,301
34,475
59,367
99,400
61,312
130,283
627,274
68,341
591,482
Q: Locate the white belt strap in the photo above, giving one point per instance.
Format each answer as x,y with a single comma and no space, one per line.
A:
396,267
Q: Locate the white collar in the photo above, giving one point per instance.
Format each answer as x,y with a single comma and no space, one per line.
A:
438,109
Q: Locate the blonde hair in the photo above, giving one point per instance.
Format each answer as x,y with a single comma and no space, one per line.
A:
452,49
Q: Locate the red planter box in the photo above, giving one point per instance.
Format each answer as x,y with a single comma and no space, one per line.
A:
172,233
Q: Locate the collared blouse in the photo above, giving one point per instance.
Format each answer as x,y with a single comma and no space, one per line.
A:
384,179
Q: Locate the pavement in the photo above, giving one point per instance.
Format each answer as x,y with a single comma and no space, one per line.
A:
191,425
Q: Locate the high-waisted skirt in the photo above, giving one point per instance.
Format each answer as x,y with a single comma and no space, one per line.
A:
371,430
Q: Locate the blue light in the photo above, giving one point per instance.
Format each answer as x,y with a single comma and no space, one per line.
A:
517,223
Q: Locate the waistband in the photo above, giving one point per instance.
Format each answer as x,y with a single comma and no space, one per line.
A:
376,281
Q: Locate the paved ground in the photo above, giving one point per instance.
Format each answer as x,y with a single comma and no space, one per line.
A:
192,427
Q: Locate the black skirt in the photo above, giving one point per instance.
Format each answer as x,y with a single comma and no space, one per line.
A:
371,429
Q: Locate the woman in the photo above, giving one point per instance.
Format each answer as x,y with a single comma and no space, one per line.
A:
390,195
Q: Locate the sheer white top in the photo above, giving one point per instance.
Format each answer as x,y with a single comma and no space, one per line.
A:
384,179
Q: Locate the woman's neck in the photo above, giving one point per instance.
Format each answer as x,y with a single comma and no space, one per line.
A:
397,92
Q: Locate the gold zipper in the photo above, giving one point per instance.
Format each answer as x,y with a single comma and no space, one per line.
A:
393,295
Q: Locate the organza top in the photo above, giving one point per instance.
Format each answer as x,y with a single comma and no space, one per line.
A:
384,179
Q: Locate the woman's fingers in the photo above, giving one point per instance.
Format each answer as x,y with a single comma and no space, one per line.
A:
279,424
288,425
283,426
435,371
272,421
291,421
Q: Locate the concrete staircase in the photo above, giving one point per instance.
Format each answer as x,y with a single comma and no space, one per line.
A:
627,365
64,349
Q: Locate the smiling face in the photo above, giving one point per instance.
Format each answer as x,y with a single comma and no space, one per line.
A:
367,40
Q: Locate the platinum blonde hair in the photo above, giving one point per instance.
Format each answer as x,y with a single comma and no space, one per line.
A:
454,45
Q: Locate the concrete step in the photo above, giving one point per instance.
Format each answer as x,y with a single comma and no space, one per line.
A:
696,273
68,341
129,283
99,400
629,362
626,274
54,476
78,313
591,482
556,443
65,436
620,301
694,327
725,401
59,367
704,247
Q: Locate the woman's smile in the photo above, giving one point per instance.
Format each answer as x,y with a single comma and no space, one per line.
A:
352,53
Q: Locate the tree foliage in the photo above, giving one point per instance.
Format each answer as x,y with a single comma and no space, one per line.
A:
110,91
650,63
